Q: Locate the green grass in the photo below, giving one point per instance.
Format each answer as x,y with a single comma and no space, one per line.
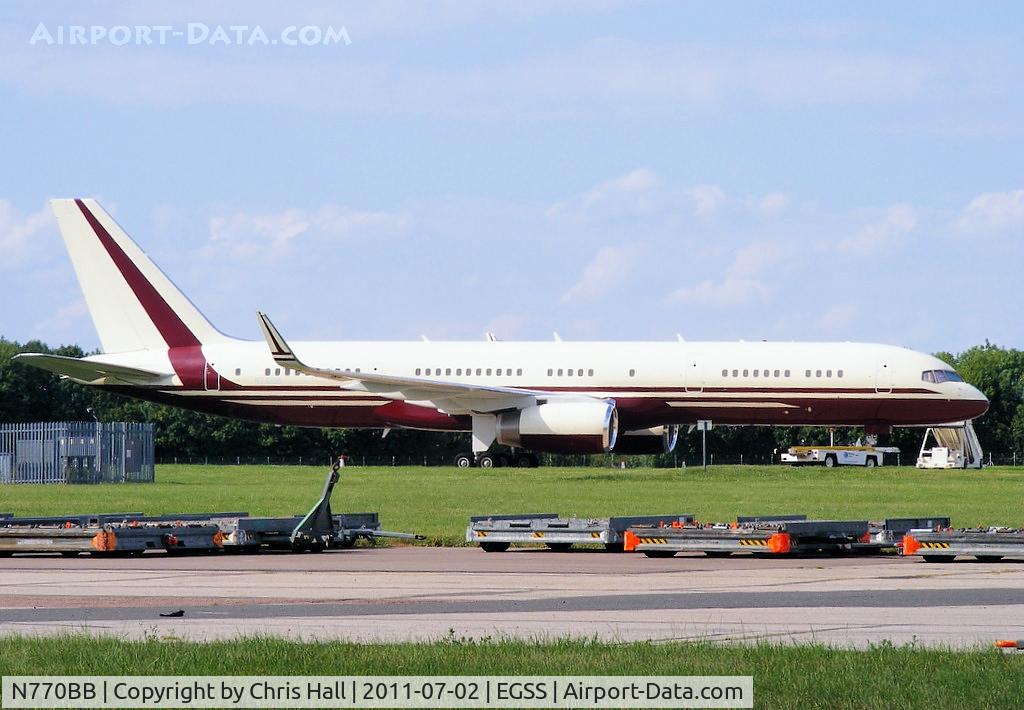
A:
804,676
437,502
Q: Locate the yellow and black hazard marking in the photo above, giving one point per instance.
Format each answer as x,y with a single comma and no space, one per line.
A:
538,534
595,535
935,545
481,533
753,543
653,541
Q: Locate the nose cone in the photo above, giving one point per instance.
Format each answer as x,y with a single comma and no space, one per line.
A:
974,402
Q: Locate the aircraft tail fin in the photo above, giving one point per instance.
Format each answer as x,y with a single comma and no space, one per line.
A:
133,305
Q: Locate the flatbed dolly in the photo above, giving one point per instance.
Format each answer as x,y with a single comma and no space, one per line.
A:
772,535
496,533
941,544
131,534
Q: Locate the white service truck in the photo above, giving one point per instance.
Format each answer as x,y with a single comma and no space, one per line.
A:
832,456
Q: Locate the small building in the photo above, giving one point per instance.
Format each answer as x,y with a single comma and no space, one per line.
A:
76,452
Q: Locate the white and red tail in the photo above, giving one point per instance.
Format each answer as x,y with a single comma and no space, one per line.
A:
132,303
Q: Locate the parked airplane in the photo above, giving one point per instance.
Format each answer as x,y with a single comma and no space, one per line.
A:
576,397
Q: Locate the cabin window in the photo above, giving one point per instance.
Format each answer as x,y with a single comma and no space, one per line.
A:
787,373
417,371
807,373
590,373
559,372
839,373
458,372
755,373
817,373
735,373
550,372
725,373
632,373
746,373
238,371
519,372
776,373
267,372
277,372
569,372
828,373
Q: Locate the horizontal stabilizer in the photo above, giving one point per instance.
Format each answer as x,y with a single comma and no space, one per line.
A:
89,370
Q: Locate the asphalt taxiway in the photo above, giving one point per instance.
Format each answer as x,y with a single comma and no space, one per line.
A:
422,593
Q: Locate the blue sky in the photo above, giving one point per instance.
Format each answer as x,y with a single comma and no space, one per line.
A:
609,170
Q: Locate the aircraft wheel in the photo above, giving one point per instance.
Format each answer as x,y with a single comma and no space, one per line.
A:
525,461
487,461
464,461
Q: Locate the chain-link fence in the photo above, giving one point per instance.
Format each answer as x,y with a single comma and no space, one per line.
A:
76,452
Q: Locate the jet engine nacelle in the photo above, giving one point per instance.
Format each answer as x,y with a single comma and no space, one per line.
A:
585,427
655,440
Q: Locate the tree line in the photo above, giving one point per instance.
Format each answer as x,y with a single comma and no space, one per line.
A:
29,394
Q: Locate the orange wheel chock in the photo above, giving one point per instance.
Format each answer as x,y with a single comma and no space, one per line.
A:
910,545
630,541
1005,643
778,543
104,541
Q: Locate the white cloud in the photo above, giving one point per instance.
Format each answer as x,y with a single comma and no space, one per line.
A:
63,320
772,204
743,281
728,292
993,211
608,267
269,235
839,317
897,222
629,194
18,232
707,199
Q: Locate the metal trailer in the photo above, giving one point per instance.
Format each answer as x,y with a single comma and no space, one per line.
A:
134,533
495,533
945,545
761,535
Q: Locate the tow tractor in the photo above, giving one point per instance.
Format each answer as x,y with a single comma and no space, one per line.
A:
832,456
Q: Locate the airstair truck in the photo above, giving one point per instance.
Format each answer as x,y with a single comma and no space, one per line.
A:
956,446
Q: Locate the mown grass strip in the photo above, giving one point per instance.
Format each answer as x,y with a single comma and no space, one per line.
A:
784,676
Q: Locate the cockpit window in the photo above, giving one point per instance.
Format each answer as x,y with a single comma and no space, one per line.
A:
940,376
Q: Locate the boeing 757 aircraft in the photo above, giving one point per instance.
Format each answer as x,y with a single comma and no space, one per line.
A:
565,397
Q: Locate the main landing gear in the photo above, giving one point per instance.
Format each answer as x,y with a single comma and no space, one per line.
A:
519,459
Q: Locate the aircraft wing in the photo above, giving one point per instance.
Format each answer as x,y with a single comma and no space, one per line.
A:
452,397
90,371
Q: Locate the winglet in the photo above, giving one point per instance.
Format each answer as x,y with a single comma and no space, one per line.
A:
279,348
